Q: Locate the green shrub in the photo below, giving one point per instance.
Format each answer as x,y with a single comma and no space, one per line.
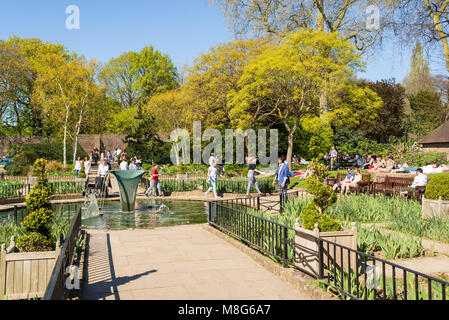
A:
34,242
38,198
41,213
323,195
438,187
321,172
312,216
39,221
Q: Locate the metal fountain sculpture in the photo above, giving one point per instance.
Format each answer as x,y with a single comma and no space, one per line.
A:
128,182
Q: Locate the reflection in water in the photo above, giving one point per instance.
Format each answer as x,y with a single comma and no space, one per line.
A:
148,214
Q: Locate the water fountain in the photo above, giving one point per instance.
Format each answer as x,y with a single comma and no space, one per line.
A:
128,182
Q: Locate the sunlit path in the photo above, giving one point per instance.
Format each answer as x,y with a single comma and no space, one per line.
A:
184,262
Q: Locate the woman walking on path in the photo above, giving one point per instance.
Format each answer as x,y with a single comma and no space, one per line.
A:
252,175
212,173
78,166
87,166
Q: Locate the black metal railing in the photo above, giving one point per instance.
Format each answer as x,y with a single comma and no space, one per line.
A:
18,213
56,289
347,272
21,190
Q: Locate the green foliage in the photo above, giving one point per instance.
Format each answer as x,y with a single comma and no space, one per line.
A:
320,171
143,140
41,213
438,187
39,221
7,230
323,195
421,159
390,115
50,149
34,242
352,141
367,209
312,216
38,198
314,138
39,172
372,240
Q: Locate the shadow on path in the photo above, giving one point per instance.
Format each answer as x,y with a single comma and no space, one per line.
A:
99,273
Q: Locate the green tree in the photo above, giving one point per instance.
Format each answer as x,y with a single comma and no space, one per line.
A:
143,139
391,115
419,78
285,81
31,64
134,77
427,112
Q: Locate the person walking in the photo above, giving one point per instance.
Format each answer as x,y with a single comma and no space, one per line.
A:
87,166
212,173
282,177
78,166
252,162
124,165
154,183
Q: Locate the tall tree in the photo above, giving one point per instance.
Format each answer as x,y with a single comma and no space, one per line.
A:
214,76
391,116
61,91
134,77
419,77
278,18
119,80
285,81
34,50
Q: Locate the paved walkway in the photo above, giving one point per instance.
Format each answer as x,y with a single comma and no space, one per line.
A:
183,262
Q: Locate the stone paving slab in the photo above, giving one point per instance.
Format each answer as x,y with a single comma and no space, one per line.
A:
176,263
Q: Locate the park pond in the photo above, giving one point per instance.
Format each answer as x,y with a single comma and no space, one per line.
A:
148,214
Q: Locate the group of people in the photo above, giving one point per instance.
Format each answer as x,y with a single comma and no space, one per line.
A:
134,164
351,180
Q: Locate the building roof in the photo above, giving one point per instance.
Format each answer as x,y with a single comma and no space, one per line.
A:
439,135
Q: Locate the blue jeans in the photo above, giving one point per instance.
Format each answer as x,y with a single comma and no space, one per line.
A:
251,180
213,187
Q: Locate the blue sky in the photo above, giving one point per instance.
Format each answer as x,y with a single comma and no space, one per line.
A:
183,29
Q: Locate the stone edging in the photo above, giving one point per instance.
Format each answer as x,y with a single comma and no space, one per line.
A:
299,280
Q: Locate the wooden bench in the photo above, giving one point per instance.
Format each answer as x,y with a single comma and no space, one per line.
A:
392,185
365,184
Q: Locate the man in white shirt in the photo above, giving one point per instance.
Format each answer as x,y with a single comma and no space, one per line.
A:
103,168
420,179
124,165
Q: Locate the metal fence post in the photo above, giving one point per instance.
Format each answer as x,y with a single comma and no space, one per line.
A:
210,211
285,255
15,215
258,203
320,259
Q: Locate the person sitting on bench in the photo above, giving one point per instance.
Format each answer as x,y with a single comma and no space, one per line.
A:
349,178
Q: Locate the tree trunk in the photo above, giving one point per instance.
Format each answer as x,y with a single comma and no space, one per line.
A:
290,149
64,151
